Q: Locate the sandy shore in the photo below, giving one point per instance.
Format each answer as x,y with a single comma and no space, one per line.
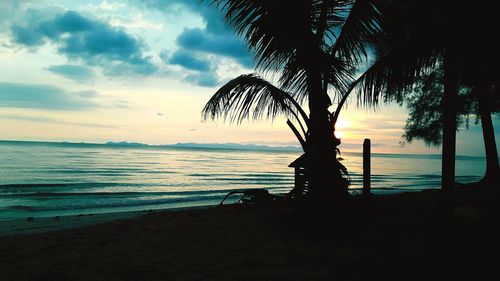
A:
394,236
33,225
45,224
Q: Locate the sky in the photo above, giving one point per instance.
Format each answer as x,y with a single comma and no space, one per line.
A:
141,71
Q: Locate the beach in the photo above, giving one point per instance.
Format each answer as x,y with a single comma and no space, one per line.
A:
230,140
391,236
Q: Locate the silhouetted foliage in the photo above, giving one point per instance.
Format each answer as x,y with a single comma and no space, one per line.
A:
478,101
417,38
311,47
425,119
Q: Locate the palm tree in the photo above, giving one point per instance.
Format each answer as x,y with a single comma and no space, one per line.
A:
492,163
480,75
312,46
417,36
425,112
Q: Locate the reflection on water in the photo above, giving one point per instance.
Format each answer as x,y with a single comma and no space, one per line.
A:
39,179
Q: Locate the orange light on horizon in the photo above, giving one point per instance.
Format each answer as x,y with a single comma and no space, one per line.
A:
342,127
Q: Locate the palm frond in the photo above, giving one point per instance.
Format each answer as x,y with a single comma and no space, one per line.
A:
272,29
302,141
390,77
294,76
361,27
251,97
394,74
276,29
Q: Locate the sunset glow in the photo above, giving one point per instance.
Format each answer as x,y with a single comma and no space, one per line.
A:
173,56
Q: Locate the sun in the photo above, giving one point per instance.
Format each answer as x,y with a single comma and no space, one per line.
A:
341,126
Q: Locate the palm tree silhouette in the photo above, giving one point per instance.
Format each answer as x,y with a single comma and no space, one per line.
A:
417,35
312,46
475,97
479,75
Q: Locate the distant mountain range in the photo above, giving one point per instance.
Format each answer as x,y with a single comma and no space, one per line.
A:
124,143
235,146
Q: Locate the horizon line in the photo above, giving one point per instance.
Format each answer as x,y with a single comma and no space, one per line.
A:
207,146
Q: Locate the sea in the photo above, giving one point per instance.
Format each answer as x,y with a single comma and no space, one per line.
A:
41,179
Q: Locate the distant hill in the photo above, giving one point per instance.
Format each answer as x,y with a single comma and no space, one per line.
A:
236,146
124,143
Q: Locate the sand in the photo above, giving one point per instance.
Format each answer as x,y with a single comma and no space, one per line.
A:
395,236
32,225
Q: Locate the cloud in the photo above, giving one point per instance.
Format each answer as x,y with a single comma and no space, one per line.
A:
27,37
110,6
215,38
222,44
213,19
90,41
78,73
121,104
187,60
202,70
203,79
41,119
87,94
40,96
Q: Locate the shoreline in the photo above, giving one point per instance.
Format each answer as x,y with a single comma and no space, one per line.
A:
37,225
33,223
391,236
40,224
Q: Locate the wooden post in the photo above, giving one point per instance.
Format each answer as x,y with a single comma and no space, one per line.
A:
366,167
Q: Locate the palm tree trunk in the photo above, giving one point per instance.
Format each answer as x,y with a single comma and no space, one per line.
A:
492,165
449,121
325,177
324,174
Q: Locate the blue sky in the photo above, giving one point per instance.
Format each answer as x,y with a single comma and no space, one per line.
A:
134,70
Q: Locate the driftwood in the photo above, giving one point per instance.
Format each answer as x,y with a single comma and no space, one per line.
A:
251,196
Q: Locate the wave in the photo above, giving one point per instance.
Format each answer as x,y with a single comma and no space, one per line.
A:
35,185
56,185
75,185
121,204
18,207
122,194
263,175
125,171
131,194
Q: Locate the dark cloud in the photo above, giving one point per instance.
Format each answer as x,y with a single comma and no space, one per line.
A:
222,44
215,38
203,79
187,60
202,70
27,37
91,41
42,97
78,73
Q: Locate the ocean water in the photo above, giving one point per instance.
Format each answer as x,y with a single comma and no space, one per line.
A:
51,179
